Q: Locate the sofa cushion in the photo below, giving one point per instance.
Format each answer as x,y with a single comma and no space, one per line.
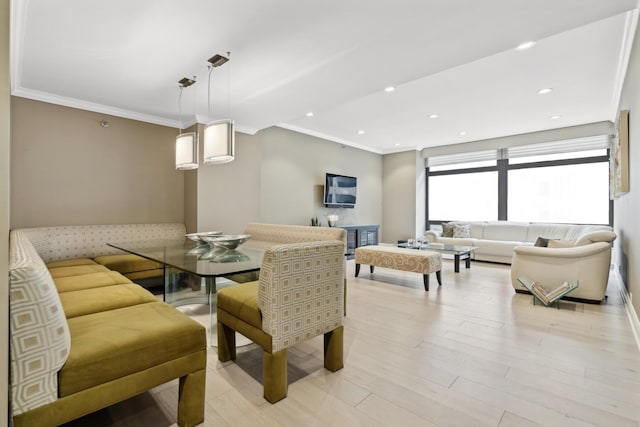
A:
95,300
88,281
76,270
503,230
40,340
115,343
129,263
596,236
71,262
242,302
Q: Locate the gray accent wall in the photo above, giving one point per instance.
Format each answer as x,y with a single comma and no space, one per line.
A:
404,196
627,207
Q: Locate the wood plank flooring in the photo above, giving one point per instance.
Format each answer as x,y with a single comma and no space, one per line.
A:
468,353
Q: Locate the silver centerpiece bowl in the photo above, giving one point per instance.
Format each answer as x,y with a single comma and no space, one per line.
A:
199,237
227,241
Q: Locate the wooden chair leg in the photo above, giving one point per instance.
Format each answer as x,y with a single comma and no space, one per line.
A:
425,280
439,277
226,343
274,375
191,391
334,349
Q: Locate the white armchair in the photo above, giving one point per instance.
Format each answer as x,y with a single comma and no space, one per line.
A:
588,262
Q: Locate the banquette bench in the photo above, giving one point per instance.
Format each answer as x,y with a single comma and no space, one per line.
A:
83,336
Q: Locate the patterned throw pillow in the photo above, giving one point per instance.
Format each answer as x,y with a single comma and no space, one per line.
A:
461,231
447,230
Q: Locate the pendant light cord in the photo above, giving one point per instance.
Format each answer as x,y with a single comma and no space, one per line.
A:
209,92
180,110
229,86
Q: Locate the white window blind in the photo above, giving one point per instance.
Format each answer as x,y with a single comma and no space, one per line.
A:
451,159
568,146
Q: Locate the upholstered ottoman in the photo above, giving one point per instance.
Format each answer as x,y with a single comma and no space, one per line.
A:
418,261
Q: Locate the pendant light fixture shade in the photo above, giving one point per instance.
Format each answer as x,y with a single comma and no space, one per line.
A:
219,142
186,143
187,151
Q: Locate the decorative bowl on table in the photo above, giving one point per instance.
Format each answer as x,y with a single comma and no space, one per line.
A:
198,237
227,241
229,255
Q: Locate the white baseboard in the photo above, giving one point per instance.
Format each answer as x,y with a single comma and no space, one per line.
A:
631,312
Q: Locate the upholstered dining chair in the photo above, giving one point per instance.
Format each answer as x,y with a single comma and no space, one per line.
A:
298,296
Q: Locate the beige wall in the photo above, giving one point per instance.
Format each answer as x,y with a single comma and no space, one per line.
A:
66,169
627,207
404,196
278,177
5,104
228,194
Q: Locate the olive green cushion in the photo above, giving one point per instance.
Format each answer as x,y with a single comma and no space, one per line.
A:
88,301
129,263
88,281
71,262
76,270
241,301
109,345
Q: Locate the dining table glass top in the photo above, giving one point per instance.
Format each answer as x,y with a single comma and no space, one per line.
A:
202,260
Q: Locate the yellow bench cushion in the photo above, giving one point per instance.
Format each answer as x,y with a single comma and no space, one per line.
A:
88,281
241,301
76,270
88,301
127,264
113,344
71,262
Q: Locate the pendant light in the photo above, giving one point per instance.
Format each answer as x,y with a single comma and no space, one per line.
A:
219,135
186,143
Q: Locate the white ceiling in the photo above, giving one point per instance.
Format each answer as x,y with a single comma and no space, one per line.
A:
453,58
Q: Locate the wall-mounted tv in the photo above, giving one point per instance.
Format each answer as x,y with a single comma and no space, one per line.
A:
340,191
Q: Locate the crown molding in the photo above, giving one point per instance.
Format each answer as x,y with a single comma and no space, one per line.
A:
631,23
327,137
89,106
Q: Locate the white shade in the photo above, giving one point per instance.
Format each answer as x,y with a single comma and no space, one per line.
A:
219,142
187,151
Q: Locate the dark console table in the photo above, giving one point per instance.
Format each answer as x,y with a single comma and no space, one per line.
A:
360,235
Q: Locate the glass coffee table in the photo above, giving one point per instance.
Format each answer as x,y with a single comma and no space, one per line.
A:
460,253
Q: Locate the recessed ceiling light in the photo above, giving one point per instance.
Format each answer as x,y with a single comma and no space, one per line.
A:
396,145
433,116
360,132
463,133
309,114
545,90
557,116
389,89
526,45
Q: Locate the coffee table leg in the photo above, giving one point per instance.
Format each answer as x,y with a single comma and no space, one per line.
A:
467,262
456,263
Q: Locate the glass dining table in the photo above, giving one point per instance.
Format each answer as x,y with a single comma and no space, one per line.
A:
193,272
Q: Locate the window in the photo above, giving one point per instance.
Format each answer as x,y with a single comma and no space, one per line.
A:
468,196
577,193
559,181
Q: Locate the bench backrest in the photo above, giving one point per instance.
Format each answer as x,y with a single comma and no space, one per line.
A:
89,241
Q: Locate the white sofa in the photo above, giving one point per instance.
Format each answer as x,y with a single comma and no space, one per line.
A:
496,240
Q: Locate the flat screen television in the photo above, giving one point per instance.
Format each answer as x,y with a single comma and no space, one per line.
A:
340,191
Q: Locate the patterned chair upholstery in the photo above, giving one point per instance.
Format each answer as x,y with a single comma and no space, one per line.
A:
299,296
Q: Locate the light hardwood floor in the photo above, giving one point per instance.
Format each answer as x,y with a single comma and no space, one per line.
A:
468,353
